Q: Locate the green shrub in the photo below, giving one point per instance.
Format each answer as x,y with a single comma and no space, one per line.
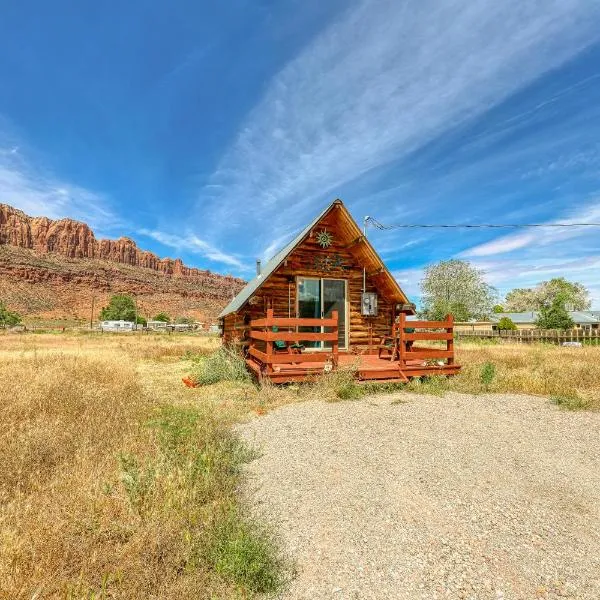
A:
506,324
137,482
349,390
435,385
570,402
8,318
222,365
339,384
487,374
244,552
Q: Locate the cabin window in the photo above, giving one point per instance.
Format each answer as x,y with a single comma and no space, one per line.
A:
318,298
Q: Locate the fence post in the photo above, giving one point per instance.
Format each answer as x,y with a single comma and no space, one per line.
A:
450,342
401,342
269,343
335,344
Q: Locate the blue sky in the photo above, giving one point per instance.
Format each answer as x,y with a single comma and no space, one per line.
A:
214,133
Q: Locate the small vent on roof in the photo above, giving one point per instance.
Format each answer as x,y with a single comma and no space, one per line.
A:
258,267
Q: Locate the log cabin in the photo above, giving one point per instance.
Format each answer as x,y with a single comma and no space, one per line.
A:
327,299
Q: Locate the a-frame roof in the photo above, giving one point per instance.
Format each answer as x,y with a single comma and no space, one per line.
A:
369,256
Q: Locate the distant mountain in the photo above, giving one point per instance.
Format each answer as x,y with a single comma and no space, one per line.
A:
51,270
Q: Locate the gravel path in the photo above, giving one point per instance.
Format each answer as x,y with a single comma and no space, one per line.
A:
419,497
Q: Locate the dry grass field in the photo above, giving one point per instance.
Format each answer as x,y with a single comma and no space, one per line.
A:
116,480
569,376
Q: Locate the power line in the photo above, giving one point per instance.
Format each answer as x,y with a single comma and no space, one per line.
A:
375,223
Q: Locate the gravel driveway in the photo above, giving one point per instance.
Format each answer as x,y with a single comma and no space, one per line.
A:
408,496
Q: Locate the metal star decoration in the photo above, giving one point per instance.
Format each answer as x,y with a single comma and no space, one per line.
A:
324,238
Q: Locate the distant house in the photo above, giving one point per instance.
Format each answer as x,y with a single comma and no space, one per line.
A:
117,326
583,319
157,325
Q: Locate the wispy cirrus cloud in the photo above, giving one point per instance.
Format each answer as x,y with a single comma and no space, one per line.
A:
192,243
383,81
39,193
542,237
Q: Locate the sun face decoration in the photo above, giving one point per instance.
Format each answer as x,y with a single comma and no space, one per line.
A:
324,238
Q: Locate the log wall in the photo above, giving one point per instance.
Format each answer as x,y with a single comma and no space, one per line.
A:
311,260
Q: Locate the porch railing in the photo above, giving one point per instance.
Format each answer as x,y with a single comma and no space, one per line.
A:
261,330
443,331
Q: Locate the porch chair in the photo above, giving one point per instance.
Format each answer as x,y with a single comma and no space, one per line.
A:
390,343
281,346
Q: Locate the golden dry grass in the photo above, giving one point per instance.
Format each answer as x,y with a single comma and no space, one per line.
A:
541,369
538,369
116,480
95,503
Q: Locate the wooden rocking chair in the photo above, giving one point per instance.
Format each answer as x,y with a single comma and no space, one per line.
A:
391,343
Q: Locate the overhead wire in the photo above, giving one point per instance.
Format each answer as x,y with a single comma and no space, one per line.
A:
378,225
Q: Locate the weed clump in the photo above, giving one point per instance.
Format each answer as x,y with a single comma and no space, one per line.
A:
487,374
436,385
244,552
337,385
570,402
222,365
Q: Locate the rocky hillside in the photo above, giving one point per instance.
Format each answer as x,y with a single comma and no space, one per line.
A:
52,270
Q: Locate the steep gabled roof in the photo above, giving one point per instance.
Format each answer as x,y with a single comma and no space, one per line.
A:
272,265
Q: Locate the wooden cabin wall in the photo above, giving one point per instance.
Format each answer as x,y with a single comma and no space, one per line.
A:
311,260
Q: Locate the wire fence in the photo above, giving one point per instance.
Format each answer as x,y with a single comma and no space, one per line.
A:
585,336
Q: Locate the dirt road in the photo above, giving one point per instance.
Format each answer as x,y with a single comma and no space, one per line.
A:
419,497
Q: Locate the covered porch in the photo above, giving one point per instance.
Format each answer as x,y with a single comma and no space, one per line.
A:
277,350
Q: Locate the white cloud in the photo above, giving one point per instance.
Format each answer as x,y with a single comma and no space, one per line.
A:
192,243
502,245
540,237
38,193
381,82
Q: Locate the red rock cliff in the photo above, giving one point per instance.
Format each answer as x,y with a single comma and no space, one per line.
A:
76,240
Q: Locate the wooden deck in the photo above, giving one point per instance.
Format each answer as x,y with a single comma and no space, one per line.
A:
401,361
369,367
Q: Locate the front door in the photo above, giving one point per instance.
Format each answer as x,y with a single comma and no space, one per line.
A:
318,298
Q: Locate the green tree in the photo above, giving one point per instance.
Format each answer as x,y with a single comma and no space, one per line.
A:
506,324
456,287
574,295
120,307
554,315
498,308
163,317
8,318
184,321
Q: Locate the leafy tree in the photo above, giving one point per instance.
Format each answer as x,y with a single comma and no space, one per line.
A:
521,300
120,307
574,296
163,317
8,318
456,287
184,321
141,321
555,315
506,324
498,308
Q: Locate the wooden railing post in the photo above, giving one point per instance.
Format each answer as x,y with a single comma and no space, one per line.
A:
269,343
335,343
401,342
450,342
